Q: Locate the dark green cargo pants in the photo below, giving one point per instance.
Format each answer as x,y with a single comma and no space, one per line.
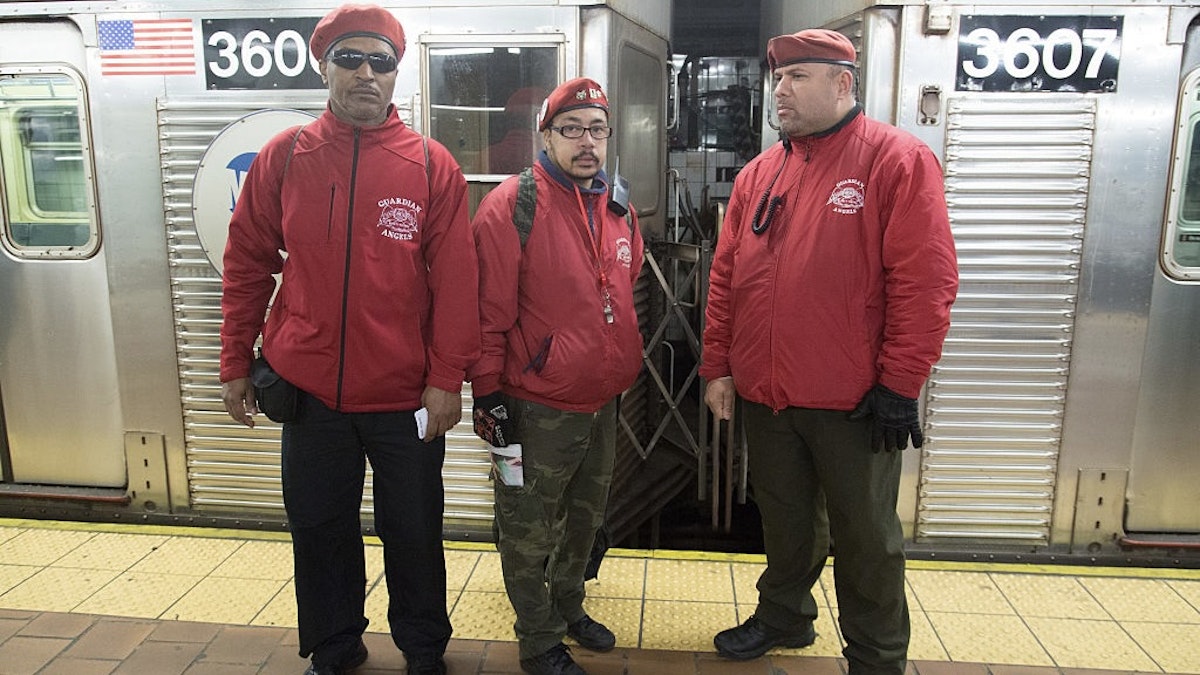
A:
546,527
815,474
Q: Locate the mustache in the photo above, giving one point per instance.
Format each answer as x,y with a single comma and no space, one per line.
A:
586,155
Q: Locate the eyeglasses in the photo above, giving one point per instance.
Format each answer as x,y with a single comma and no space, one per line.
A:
575,131
352,59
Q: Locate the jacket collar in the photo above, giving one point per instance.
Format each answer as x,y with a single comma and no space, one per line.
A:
389,125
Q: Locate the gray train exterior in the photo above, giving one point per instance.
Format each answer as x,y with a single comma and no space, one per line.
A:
1059,419
126,127
1062,415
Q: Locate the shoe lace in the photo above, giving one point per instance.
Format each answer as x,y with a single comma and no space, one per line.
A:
560,655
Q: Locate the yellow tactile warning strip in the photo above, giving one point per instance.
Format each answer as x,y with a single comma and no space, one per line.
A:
1125,619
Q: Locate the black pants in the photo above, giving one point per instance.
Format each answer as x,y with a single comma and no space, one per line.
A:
324,465
816,474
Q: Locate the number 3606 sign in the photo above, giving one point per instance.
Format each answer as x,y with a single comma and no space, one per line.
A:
259,53
1047,53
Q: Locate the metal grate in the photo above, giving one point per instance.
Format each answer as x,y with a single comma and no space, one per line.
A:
1017,176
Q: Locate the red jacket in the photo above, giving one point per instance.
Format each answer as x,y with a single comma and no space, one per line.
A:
545,335
379,296
851,283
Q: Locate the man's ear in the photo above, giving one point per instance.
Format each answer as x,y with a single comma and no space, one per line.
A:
846,82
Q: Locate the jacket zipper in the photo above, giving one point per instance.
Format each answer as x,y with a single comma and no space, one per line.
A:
346,274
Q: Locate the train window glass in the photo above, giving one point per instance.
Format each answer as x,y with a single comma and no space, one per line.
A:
1189,202
639,152
483,102
1181,240
44,178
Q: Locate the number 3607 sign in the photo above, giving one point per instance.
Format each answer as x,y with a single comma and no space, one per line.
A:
1047,53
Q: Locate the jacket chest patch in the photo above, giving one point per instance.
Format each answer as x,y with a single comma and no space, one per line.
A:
848,196
624,252
398,218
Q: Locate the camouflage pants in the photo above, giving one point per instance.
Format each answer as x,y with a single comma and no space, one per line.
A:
546,527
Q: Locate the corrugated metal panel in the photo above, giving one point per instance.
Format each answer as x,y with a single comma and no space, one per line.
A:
1017,176
230,467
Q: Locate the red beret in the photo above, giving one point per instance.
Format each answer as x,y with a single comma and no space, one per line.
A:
578,93
350,21
813,45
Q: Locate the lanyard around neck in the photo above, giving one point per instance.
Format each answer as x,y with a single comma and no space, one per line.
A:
596,238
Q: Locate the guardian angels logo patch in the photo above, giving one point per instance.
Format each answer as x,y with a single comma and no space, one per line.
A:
398,218
624,252
848,196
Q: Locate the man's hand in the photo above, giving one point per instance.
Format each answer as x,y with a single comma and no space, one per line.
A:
720,396
445,410
492,421
895,419
238,396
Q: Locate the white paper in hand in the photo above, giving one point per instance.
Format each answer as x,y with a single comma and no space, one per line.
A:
422,417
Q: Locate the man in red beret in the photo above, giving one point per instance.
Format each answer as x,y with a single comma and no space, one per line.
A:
375,323
829,299
560,344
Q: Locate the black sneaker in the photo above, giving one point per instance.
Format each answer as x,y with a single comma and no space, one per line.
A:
592,634
426,665
755,638
355,660
555,661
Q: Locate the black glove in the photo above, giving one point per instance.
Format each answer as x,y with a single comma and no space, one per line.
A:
895,419
492,422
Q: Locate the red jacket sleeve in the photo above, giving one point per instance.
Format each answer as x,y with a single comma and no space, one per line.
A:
717,317
499,250
252,255
453,275
921,271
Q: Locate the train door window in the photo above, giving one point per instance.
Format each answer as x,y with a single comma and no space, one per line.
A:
1181,240
641,90
46,192
483,100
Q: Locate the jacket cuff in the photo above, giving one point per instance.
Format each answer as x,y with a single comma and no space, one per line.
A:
905,386
483,385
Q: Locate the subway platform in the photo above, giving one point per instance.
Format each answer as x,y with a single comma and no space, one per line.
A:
86,598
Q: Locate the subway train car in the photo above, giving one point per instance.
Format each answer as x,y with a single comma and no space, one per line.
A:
125,129
1059,420
1062,416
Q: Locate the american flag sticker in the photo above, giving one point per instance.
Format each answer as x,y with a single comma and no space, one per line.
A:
147,47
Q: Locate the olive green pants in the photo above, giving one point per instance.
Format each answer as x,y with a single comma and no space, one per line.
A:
814,476
547,526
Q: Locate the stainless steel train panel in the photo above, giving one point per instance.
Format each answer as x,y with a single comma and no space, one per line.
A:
1017,177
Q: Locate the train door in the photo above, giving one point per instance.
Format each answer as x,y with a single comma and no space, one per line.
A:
61,412
1165,468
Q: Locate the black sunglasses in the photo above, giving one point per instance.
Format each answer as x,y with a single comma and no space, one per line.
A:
352,59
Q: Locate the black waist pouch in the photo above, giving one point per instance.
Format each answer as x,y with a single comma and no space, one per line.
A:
277,398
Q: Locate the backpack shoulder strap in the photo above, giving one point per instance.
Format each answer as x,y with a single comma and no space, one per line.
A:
291,151
526,206
428,170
